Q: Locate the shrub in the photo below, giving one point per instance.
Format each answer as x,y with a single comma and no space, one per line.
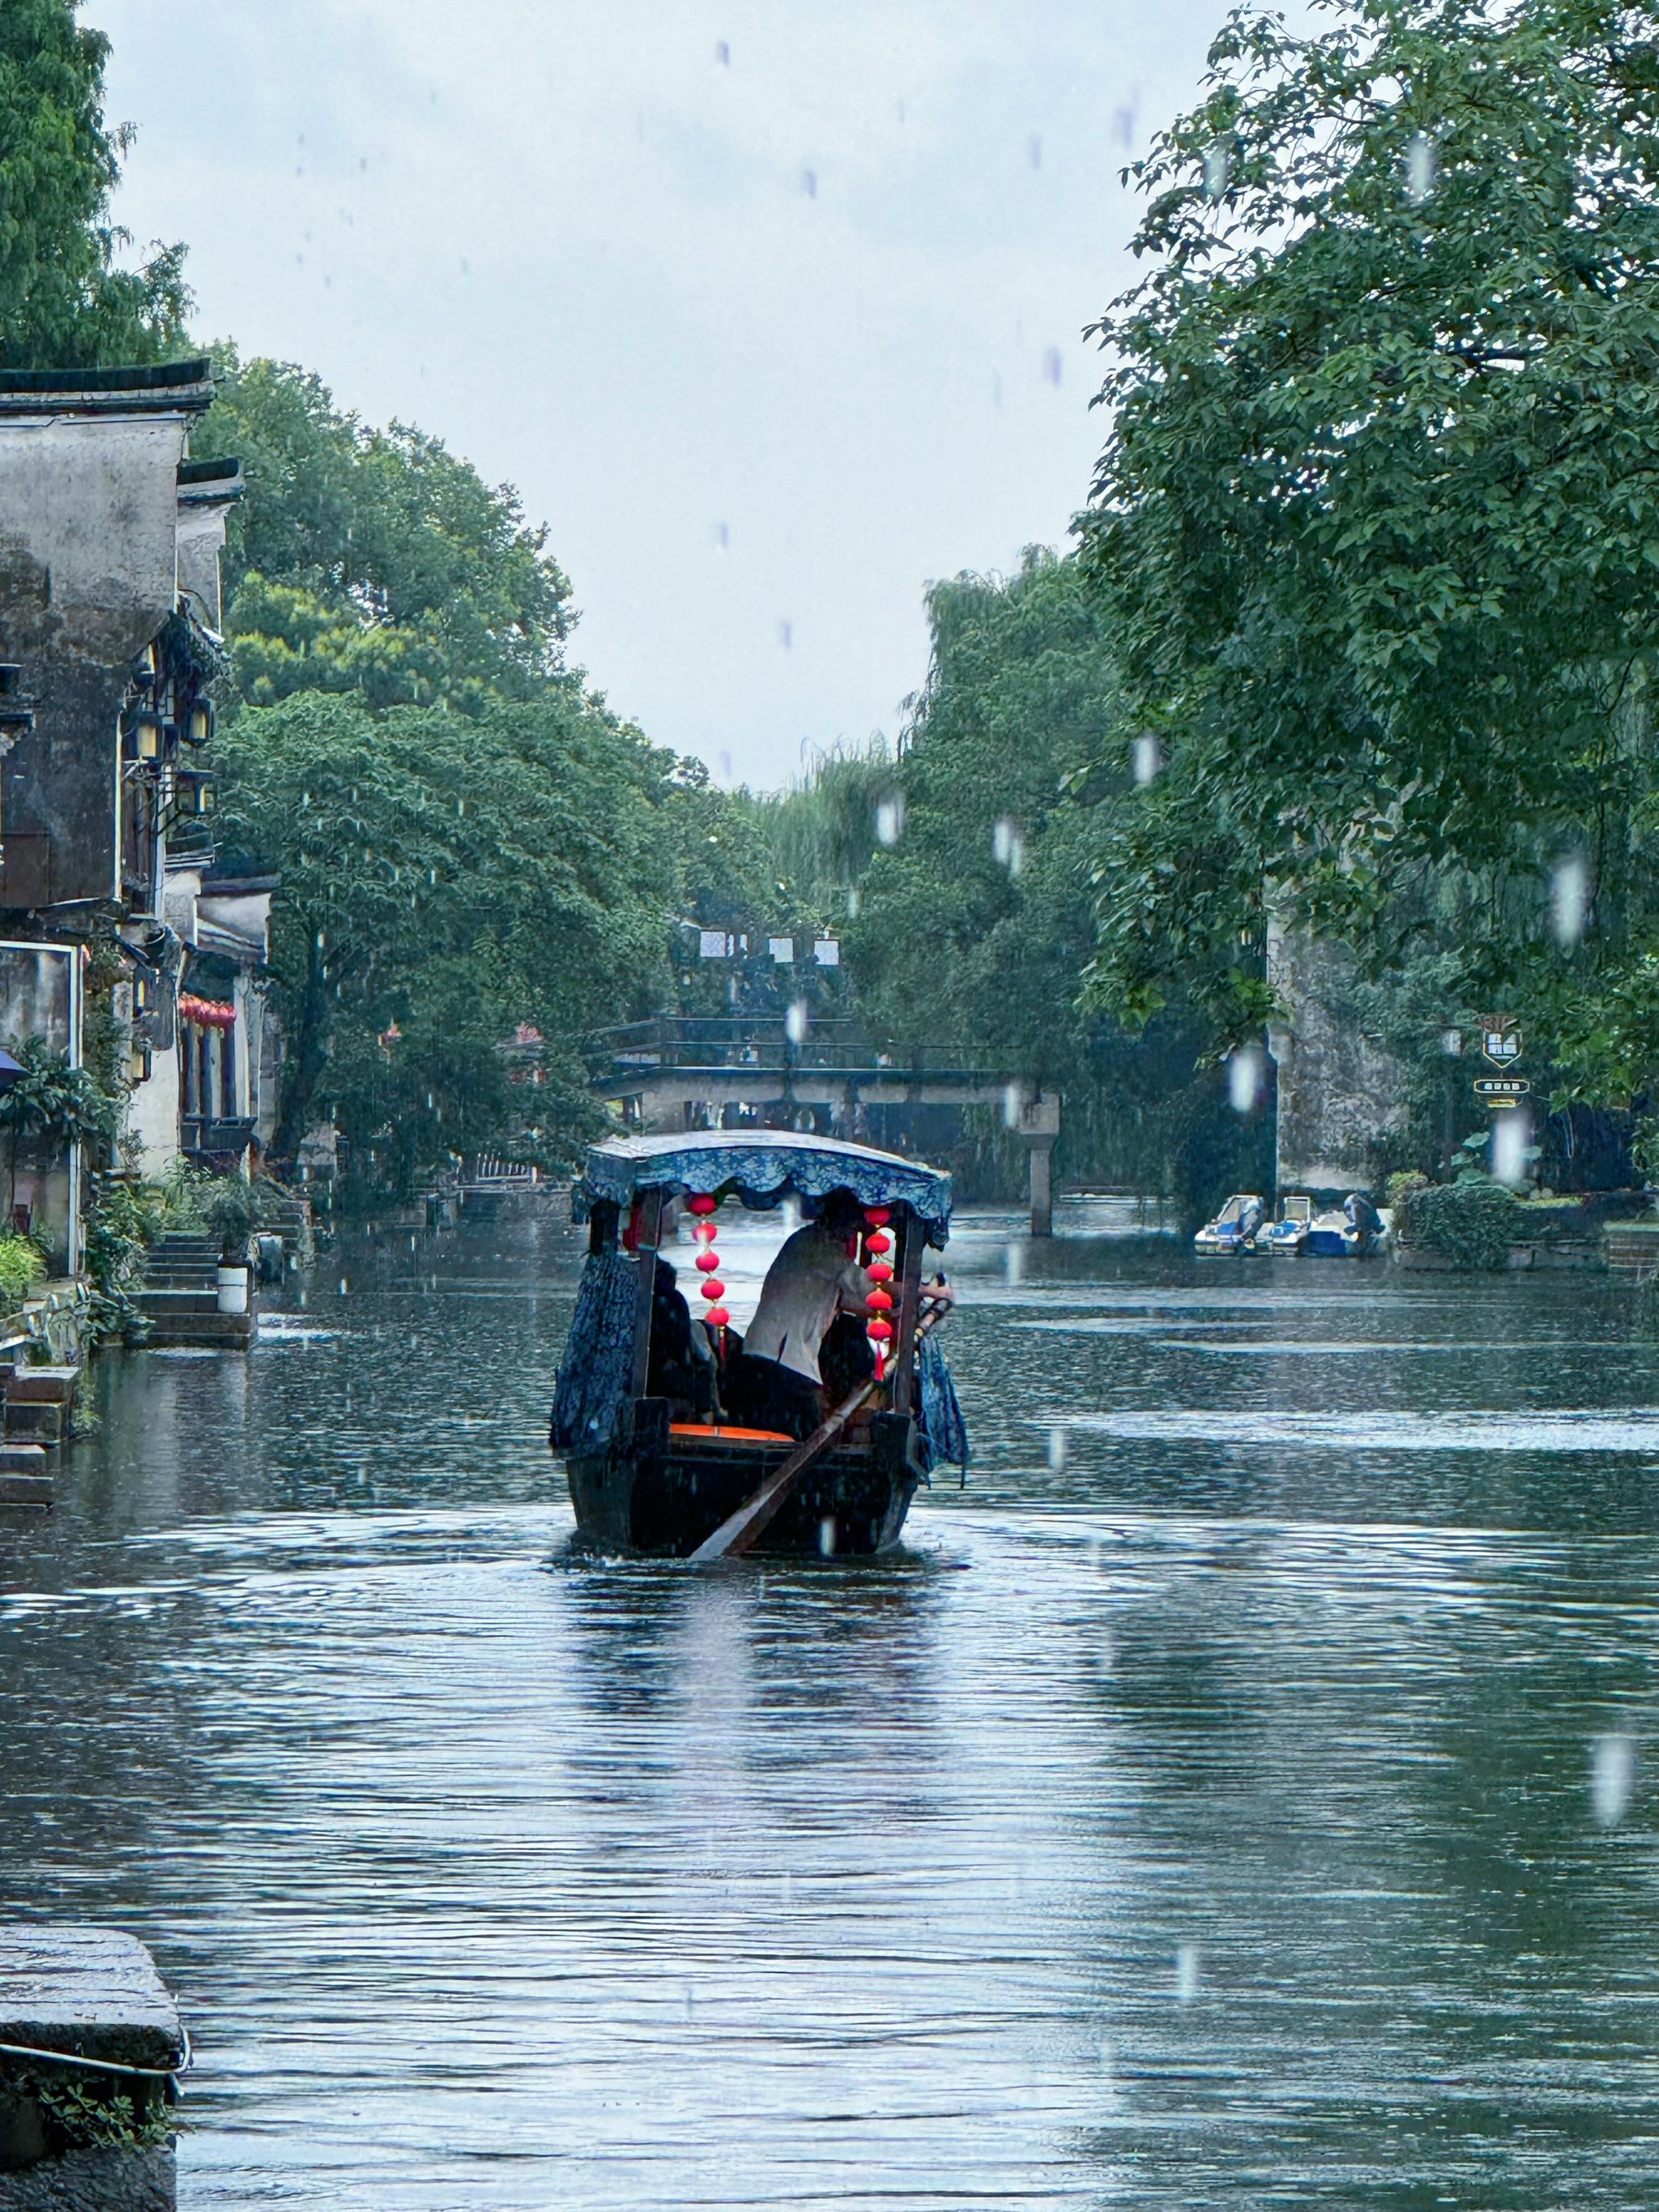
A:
125,1219
20,1269
1472,1222
1401,1184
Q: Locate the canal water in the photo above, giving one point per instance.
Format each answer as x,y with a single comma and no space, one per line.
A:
1241,1794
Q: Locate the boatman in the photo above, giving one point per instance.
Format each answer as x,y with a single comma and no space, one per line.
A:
777,1383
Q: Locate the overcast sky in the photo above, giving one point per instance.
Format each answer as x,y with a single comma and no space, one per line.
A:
772,312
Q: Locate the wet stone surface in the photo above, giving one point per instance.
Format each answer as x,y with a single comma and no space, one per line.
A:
1239,1795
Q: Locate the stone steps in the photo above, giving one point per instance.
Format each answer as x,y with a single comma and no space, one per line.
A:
168,1300
180,1297
37,1404
233,1331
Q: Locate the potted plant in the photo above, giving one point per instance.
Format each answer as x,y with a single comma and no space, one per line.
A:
231,1212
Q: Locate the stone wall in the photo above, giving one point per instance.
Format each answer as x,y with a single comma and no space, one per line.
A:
1341,1093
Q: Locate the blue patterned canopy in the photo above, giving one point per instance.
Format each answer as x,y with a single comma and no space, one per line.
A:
761,1167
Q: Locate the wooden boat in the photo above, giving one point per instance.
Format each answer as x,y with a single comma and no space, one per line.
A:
665,1474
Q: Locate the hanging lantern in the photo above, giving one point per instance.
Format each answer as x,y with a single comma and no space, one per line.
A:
701,1206
879,1268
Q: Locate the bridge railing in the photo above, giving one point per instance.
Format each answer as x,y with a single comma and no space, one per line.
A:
734,1043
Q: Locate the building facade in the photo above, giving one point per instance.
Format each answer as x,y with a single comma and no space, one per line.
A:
110,538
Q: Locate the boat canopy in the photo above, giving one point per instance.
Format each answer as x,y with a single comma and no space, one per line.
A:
761,1168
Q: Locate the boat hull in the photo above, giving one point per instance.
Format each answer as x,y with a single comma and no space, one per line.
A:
663,1503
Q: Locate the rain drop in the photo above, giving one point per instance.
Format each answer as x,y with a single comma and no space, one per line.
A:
1145,758
1613,1778
1244,1079
1186,1973
1218,167
1008,846
1056,1449
1569,900
1422,167
1511,1133
797,1022
1052,365
1014,1105
827,1536
890,821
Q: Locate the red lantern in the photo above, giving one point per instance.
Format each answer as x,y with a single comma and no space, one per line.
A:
880,1300
702,1204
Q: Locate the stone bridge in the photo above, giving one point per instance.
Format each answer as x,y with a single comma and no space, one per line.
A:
663,1073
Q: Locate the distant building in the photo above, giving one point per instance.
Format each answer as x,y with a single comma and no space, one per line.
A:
110,538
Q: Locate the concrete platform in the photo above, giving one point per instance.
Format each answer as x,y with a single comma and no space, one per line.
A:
92,1994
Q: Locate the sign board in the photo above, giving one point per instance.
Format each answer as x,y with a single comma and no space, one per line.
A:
1500,1040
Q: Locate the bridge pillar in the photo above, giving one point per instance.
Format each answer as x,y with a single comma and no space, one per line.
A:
1039,1126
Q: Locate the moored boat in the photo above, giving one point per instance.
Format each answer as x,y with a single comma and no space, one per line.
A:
1235,1230
655,1462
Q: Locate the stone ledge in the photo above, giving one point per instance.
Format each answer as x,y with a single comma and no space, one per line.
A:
93,1991
94,2181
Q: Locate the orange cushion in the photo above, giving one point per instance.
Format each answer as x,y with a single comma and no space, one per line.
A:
743,1436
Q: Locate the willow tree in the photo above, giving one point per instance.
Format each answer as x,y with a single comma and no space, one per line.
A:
1378,518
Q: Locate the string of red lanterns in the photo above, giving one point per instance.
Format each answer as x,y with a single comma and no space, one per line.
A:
206,1013
876,1245
701,1205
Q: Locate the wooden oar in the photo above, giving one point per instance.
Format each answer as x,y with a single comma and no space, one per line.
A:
739,1530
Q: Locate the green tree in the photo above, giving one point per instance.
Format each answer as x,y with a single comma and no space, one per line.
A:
445,879
969,861
63,300
374,562
1377,522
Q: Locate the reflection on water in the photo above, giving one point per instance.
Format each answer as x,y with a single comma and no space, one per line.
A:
1238,1796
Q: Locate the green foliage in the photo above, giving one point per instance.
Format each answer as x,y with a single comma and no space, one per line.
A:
51,1106
1472,1222
468,841
63,300
973,928
122,1222
373,562
1378,517
989,880
22,1267
444,880
230,1211
79,2116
